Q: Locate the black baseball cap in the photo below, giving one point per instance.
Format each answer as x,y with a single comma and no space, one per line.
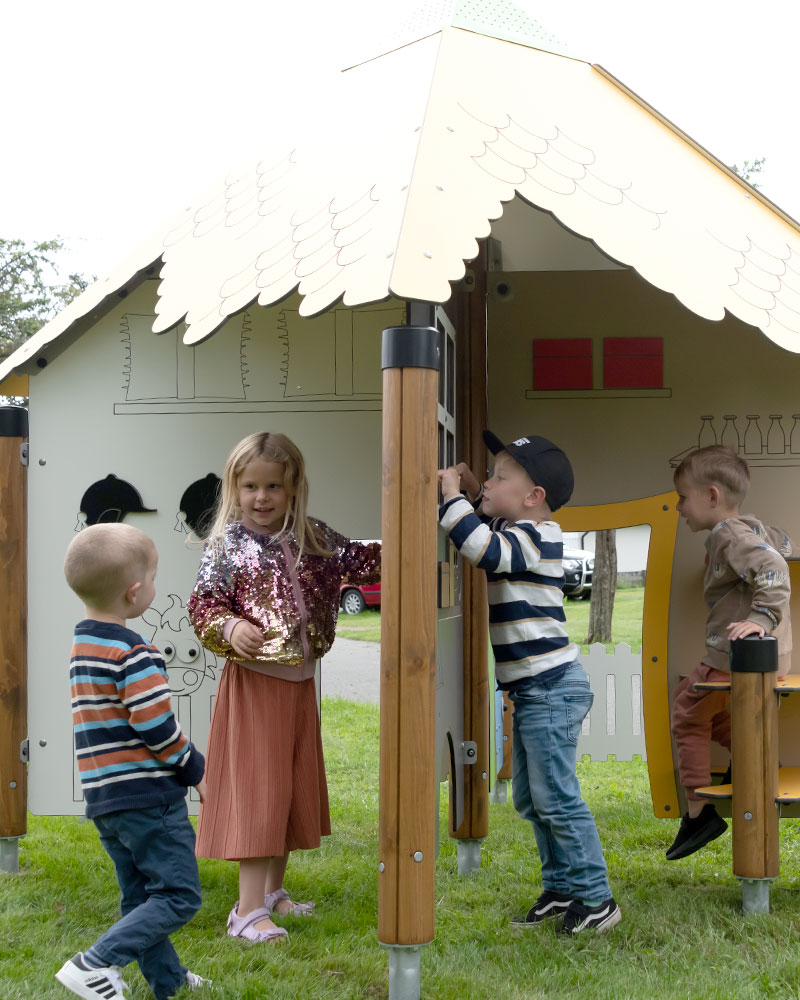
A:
545,463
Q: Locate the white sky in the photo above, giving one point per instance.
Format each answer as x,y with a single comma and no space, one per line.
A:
116,113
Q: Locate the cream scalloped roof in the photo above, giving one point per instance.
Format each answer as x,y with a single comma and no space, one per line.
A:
414,155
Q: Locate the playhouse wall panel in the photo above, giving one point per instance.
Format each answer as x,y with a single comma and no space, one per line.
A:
161,415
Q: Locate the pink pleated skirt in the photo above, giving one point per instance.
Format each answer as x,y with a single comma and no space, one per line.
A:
267,792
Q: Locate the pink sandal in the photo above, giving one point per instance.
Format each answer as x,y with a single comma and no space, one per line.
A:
243,927
295,909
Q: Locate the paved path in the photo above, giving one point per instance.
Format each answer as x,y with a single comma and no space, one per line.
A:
352,670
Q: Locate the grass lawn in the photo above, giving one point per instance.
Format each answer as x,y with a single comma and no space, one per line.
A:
626,621
365,626
682,934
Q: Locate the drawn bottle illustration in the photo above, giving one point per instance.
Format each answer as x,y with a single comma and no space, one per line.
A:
707,433
794,435
776,438
730,433
753,440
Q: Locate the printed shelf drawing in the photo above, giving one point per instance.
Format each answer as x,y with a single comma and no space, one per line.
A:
760,444
265,363
336,354
160,368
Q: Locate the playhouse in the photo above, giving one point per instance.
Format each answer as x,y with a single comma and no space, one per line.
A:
569,264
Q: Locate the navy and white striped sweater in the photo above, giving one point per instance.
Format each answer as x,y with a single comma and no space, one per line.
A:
131,751
525,577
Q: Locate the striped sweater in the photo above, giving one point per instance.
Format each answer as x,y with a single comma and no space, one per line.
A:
525,577
131,751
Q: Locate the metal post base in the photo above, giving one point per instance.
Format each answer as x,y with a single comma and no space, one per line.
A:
403,971
500,791
755,894
469,855
9,855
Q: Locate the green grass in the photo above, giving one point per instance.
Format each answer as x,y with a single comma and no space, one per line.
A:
682,934
365,626
626,622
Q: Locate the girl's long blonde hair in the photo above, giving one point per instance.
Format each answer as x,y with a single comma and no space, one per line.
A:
269,448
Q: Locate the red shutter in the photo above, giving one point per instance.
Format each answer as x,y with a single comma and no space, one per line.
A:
562,364
633,362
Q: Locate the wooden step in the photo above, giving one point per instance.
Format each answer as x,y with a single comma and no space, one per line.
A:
791,682
788,787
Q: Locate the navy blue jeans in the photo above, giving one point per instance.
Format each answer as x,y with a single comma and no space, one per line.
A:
547,724
153,855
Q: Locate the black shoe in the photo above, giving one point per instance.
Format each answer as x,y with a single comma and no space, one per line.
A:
696,833
580,917
549,904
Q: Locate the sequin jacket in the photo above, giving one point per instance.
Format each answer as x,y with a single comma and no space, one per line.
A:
248,575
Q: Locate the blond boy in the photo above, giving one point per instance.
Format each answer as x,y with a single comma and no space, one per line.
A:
746,590
135,765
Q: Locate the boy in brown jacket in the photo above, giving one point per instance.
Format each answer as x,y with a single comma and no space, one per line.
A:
746,590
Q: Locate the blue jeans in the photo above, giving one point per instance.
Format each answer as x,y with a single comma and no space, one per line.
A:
547,723
153,854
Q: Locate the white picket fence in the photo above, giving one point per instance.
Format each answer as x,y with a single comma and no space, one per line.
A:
615,725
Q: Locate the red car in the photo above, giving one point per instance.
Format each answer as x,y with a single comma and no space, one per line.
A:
353,599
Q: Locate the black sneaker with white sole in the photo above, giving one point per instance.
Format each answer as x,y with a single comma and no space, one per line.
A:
580,917
92,984
696,833
549,904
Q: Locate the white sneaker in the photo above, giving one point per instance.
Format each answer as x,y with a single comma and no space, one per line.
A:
193,981
92,984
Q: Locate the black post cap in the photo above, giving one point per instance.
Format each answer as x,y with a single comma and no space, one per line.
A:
410,347
13,422
754,655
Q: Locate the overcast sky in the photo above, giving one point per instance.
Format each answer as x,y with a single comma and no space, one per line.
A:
116,113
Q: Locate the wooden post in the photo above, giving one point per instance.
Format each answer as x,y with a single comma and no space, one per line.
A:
474,600
407,824
13,633
754,767
505,772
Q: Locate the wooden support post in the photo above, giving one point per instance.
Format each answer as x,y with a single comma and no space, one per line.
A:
508,738
754,765
13,633
474,599
407,824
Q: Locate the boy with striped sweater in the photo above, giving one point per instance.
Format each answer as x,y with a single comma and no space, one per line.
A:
135,765
520,548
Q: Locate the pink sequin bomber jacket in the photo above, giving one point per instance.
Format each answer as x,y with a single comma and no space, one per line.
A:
249,575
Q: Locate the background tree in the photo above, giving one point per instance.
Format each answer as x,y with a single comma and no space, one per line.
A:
604,586
749,170
30,292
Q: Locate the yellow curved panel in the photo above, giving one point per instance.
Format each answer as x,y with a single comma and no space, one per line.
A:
659,512
14,385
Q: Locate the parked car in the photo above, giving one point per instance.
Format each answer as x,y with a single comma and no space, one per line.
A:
353,599
578,569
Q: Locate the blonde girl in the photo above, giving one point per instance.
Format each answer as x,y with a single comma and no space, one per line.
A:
267,598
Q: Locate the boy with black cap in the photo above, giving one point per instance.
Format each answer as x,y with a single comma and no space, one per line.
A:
520,548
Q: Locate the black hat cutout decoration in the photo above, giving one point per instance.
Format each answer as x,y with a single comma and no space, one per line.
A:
199,503
110,499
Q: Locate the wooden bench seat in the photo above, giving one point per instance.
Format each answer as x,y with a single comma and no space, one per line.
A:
791,682
788,787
